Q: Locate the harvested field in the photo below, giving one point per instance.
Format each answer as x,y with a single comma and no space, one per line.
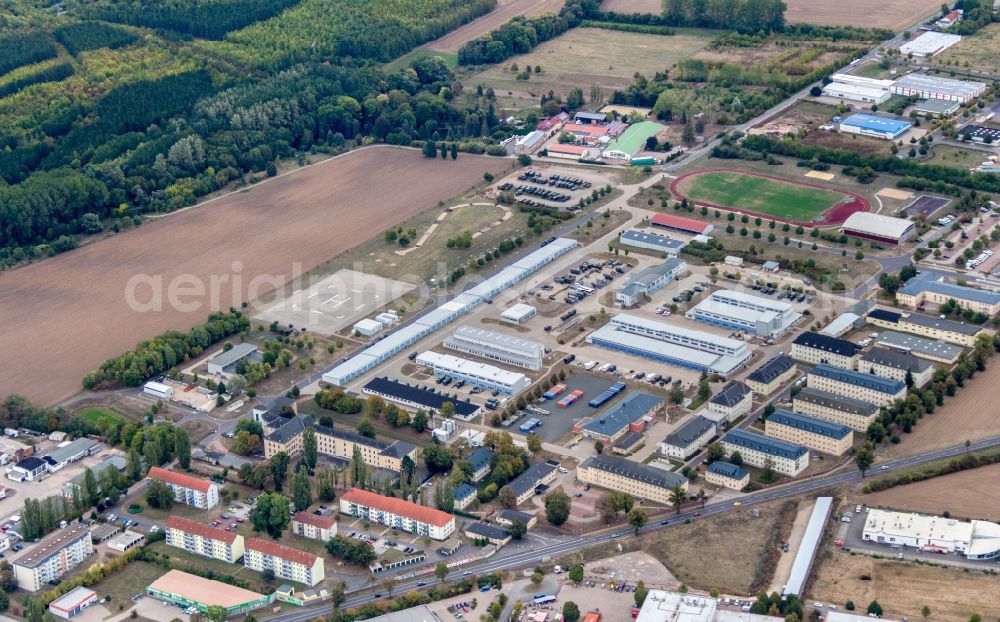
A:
903,588
851,142
505,10
891,14
250,242
968,494
981,50
962,417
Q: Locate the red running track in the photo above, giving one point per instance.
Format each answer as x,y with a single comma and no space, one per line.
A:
834,216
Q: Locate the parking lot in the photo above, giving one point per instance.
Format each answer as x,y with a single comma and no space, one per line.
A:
558,424
550,187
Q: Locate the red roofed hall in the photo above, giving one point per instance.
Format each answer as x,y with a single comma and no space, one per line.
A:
681,224
314,526
189,490
302,567
398,514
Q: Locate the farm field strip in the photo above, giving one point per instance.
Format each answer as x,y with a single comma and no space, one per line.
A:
503,13
70,312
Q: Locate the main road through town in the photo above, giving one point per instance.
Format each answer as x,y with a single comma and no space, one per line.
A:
540,554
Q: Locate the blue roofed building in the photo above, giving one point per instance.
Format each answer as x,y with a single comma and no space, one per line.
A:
870,388
931,287
464,495
758,450
813,432
727,475
874,126
480,461
616,421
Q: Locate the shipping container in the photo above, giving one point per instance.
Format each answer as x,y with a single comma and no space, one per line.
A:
554,391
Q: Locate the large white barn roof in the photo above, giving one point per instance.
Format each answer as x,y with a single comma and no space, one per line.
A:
877,224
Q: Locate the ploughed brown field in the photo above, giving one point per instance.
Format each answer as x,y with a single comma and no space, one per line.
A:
65,315
505,10
891,14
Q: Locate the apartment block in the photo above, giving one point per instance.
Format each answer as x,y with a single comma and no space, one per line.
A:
204,540
757,450
732,402
895,365
57,553
189,490
623,475
688,439
284,561
817,349
769,377
958,333
397,514
878,391
286,435
854,413
815,433
314,526
727,475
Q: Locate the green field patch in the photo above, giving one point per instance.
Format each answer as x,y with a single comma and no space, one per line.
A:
94,417
450,59
758,194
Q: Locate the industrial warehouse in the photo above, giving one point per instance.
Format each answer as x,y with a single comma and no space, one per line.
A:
496,346
879,228
876,127
744,312
480,375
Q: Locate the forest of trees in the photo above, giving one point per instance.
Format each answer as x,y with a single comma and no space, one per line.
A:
211,19
92,35
24,48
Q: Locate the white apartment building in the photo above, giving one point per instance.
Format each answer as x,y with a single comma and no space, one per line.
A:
314,527
284,561
397,514
497,346
867,387
204,540
893,364
57,553
816,348
732,402
189,490
688,439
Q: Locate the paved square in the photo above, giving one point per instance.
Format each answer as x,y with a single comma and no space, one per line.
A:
926,205
335,302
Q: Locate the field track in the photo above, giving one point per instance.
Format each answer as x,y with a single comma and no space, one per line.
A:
891,14
65,315
835,215
506,9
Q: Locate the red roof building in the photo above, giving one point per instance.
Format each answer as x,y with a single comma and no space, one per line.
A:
180,479
193,491
200,529
672,222
284,561
313,526
398,514
280,551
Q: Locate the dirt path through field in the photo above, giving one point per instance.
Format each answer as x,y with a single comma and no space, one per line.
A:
506,9
65,315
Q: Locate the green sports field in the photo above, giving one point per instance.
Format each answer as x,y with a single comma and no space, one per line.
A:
759,194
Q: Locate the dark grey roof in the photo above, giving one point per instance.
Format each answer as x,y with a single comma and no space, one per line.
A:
513,515
487,531
943,324
689,432
813,425
531,478
72,450
895,359
858,379
628,439
296,425
728,469
833,345
885,315
628,410
837,402
772,369
30,463
731,394
399,449
462,491
765,444
633,470
233,355
428,398
479,458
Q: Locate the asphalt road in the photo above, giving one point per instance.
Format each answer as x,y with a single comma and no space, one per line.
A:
537,555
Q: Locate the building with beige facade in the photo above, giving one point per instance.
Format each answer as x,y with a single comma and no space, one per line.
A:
950,331
204,540
854,413
314,526
815,433
284,561
285,435
727,475
729,404
931,287
867,387
623,475
769,377
57,554
817,349
758,450
895,364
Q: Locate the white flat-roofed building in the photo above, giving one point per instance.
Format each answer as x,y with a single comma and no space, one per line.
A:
929,44
652,241
872,83
867,387
935,87
367,327
856,92
661,606
73,602
284,561
518,314
397,341
976,539
649,281
479,375
879,227
497,346
744,312
57,553
670,344
758,450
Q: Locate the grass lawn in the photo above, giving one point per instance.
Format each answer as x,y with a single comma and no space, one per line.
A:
93,416
131,580
956,156
450,59
981,50
766,196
